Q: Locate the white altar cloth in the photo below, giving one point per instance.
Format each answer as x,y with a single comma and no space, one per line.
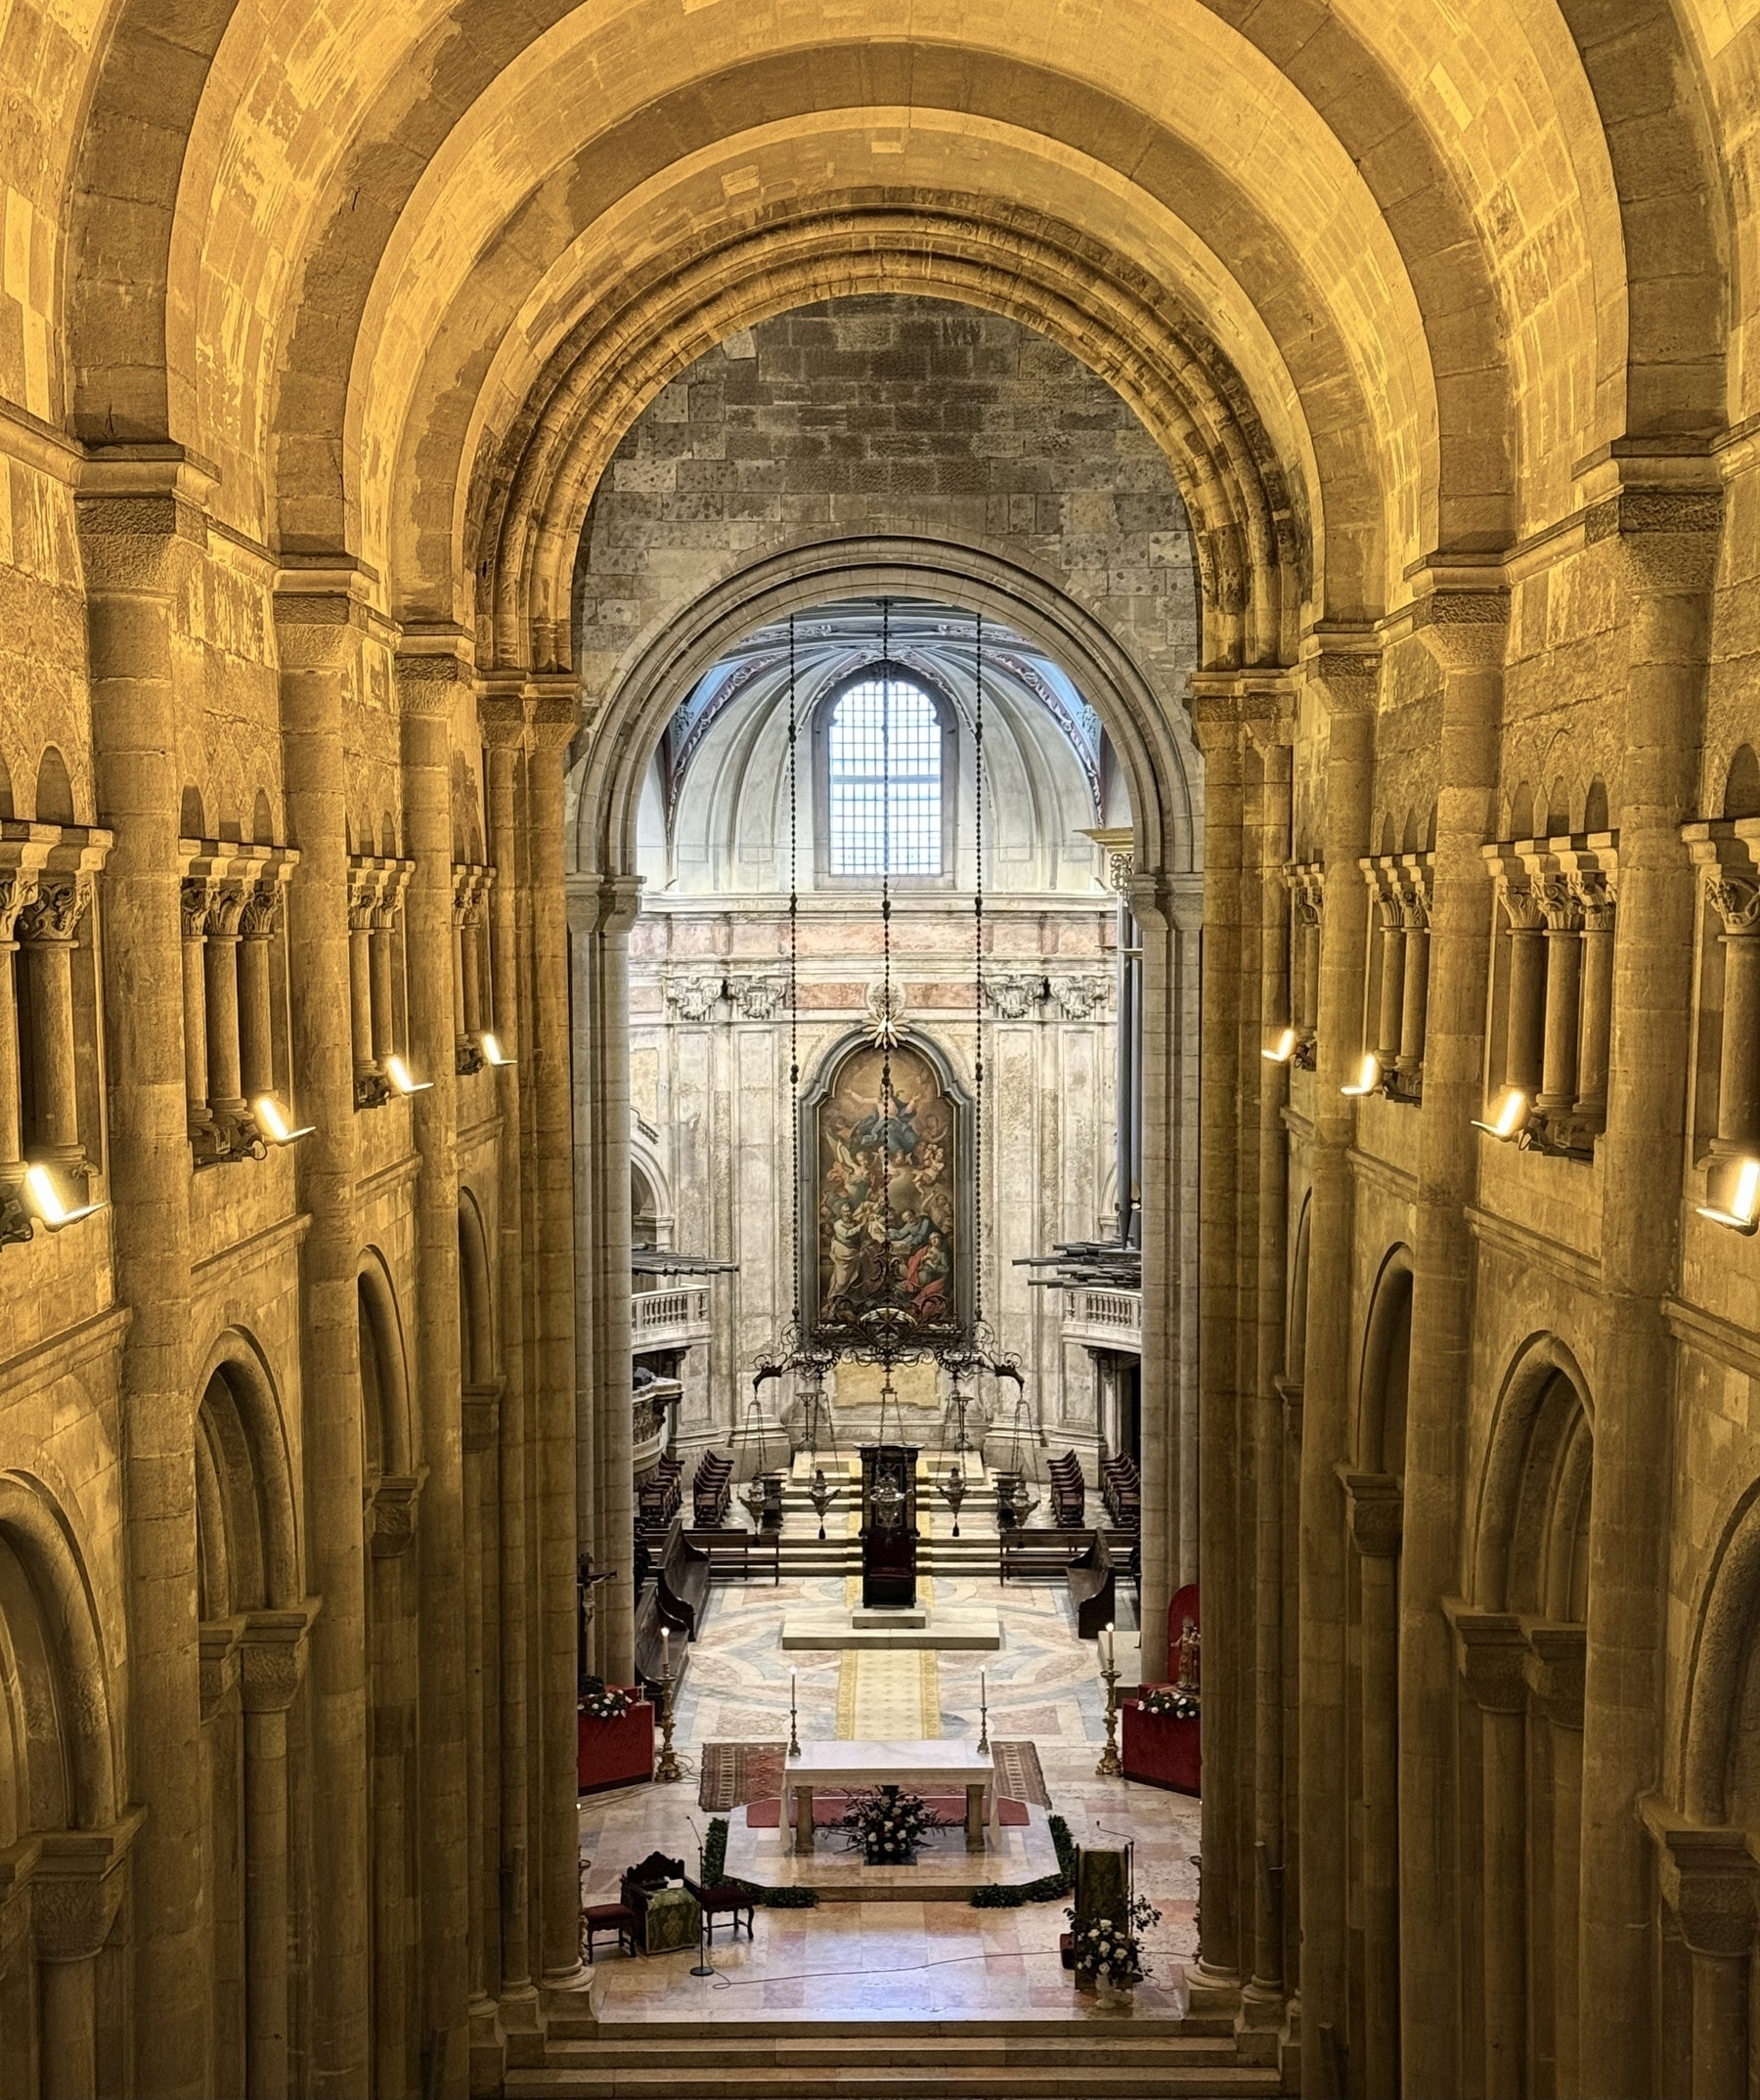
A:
925,1766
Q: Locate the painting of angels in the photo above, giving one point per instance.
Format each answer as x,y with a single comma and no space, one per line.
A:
886,1197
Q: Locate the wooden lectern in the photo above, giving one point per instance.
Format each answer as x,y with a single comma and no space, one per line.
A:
889,1526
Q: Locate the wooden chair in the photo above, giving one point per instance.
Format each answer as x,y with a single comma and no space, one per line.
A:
721,1898
617,1919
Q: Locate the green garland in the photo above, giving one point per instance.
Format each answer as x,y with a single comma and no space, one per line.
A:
715,1867
1003,1895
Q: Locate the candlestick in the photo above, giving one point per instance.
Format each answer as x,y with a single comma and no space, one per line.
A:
794,1738
983,1713
1109,1767
669,1769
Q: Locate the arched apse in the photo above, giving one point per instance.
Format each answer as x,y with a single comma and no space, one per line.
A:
723,798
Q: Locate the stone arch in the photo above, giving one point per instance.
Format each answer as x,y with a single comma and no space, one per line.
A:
245,1525
1386,1361
1152,738
476,1297
1296,1318
1535,1480
385,1368
54,789
1720,1669
54,1679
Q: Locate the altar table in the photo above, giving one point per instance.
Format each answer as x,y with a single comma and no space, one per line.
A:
925,1768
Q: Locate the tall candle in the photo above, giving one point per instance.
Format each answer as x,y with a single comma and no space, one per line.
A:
1109,1647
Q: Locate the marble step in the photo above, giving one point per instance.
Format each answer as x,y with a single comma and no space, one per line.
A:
1095,2076
871,2030
614,2048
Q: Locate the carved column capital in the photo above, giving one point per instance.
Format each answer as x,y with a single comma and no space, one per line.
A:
219,1663
75,1888
1375,1511
1553,1670
18,1865
1348,680
1491,1653
55,910
391,1508
1707,1877
480,1417
272,1653
18,889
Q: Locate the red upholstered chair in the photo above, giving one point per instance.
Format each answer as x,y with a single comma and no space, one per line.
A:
724,1899
617,1919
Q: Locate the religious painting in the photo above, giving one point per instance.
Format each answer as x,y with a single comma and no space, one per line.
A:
886,1198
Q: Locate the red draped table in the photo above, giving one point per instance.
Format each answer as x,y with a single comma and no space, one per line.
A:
615,1753
1156,1748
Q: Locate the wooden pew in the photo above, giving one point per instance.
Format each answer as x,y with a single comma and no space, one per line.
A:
677,1573
1093,1577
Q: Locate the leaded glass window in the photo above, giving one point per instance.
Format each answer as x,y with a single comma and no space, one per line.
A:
884,780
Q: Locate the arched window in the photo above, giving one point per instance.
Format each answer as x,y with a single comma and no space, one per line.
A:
884,780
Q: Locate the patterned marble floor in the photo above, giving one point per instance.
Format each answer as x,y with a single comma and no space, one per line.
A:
912,1960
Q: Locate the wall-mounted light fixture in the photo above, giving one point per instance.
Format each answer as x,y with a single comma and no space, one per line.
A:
1367,1079
398,1073
274,1125
493,1053
1281,1048
1512,1118
36,1201
1734,1188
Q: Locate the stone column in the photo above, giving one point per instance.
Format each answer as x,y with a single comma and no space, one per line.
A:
142,532
47,928
1347,684
220,961
1463,625
197,900
320,631
259,925
1736,901
426,689
1391,913
1226,1361
17,886
1493,1652
1595,895
1668,540
271,1647
503,720
480,1417
1414,1009
1707,1878
1563,912
1263,1997
1555,1678
76,1889
1375,1513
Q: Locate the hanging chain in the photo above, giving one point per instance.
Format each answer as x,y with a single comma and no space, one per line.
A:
794,993
978,992
886,990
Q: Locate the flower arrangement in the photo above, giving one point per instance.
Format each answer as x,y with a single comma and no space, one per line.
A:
1109,1950
1171,1700
606,1702
888,1824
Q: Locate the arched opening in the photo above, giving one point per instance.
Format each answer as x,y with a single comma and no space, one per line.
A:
253,1654
1523,1655
1375,1497
394,1684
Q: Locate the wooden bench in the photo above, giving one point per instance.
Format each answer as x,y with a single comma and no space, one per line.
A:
711,1488
1026,1554
731,1543
659,1491
1122,1489
1069,1492
678,1576
1093,1577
